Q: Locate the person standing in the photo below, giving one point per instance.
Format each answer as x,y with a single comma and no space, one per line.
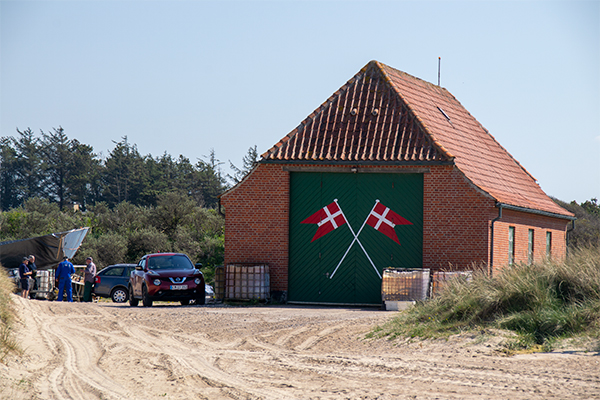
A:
24,274
63,276
33,269
88,276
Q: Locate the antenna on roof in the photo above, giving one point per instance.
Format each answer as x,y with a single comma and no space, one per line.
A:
439,68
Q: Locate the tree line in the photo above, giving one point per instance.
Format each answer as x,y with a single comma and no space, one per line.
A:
65,171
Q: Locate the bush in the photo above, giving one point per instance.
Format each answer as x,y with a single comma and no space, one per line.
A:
170,211
107,249
37,217
184,241
123,219
144,241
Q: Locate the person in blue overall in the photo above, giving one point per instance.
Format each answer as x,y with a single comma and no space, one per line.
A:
63,276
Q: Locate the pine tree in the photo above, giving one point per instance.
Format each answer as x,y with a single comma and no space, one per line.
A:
57,165
249,161
29,181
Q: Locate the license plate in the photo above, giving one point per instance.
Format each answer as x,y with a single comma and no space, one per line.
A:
179,287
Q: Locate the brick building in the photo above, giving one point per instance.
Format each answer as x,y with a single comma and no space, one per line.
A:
389,171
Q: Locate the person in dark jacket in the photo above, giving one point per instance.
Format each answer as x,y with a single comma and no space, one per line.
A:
88,277
24,274
63,276
33,269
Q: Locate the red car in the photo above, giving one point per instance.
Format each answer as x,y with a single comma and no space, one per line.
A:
166,277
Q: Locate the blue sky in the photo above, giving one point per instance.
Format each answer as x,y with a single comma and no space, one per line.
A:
185,77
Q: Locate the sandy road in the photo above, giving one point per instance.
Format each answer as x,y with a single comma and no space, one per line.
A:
110,351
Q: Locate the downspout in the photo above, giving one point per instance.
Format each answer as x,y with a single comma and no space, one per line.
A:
492,239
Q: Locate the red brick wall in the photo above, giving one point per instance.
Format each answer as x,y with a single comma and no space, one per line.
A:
522,222
456,224
256,222
455,220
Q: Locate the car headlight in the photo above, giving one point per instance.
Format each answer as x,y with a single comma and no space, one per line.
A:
156,282
197,281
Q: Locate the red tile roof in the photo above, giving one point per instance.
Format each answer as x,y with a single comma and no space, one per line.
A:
383,115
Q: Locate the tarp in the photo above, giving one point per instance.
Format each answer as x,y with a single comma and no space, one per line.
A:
48,250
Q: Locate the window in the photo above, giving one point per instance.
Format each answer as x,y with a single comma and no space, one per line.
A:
530,247
117,271
548,244
511,245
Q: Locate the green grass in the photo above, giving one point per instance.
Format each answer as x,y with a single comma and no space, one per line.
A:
8,343
542,303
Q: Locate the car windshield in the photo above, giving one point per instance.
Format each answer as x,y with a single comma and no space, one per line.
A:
169,262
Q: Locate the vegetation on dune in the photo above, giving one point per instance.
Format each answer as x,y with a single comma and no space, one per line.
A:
541,303
8,342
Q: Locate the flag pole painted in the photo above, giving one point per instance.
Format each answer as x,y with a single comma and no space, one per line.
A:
356,240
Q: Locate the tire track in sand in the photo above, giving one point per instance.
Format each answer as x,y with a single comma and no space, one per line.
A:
71,362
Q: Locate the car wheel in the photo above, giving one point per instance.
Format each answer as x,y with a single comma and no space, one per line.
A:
185,302
201,299
119,295
146,302
133,302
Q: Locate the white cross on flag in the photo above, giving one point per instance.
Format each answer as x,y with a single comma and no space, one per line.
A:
384,220
327,218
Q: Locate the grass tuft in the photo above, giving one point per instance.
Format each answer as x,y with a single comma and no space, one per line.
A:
542,303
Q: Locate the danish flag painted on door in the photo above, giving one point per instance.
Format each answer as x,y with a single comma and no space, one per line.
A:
384,220
328,218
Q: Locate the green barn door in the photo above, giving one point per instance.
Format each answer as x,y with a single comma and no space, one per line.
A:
335,268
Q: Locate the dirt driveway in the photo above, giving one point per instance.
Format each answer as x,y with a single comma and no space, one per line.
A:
110,351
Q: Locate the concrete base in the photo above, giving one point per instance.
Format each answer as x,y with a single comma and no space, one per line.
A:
397,305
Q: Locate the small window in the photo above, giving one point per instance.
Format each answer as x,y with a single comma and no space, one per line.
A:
511,245
548,244
530,247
